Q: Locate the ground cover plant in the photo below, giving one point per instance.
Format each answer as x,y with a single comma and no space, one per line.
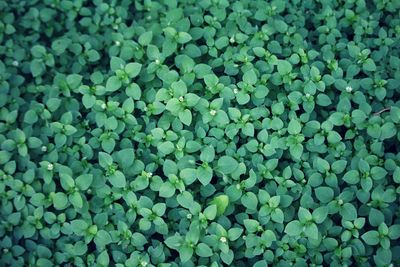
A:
199,133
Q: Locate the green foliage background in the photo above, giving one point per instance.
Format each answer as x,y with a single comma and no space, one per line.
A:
199,133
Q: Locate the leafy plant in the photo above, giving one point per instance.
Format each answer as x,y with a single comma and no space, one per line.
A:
199,133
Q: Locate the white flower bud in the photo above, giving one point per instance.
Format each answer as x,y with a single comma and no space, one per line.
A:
235,91
181,98
44,148
15,63
223,239
213,112
117,43
50,167
103,106
349,89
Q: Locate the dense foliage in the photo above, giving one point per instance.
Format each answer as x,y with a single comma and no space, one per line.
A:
200,133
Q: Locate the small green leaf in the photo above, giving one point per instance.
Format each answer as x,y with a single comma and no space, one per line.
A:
117,179
222,202
203,250
133,69
371,237
227,164
113,84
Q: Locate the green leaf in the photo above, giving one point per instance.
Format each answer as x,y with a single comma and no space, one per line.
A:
60,201
159,209
320,214
251,225
294,228
284,67
396,175
37,67
174,241
324,194
183,37
113,84
348,212
108,145
352,177
323,100
227,164
394,232
117,179
234,233
250,77
185,253
76,200
88,101
126,157
210,212
105,160
191,99
204,175
185,117
222,202
311,231
133,69
66,181
294,127
277,215
207,154
84,181
296,151
371,237
103,259
203,250
249,200
375,217
4,157
102,238
74,80
174,106
145,38
167,190
369,65
30,117
116,63
166,147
